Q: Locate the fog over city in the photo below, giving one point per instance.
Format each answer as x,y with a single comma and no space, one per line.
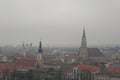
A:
59,22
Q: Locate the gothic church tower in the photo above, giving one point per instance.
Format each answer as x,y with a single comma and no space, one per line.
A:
83,54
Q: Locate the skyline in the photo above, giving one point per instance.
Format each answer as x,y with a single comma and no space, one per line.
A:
60,23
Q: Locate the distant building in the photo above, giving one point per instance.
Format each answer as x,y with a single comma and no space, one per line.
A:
103,75
87,72
109,73
4,59
89,54
68,58
112,56
83,54
39,59
81,72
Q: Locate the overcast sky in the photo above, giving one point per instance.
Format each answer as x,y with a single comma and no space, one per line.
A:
60,22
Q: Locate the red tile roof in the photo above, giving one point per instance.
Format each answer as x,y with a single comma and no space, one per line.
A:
8,67
88,68
26,63
18,64
69,70
114,68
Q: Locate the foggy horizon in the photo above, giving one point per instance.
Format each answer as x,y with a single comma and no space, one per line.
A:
60,22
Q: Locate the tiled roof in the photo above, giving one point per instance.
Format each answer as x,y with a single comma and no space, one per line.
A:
88,68
8,67
27,62
18,64
94,52
69,70
114,68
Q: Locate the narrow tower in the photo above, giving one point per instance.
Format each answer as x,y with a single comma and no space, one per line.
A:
40,48
83,54
39,62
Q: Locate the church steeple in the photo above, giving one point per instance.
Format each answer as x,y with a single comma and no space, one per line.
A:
40,47
83,54
39,58
84,36
84,42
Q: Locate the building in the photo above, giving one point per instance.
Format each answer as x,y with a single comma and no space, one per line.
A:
89,54
109,73
95,55
103,75
42,71
39,58
83,54
81,72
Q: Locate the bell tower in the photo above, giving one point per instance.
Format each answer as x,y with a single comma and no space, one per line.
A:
39,58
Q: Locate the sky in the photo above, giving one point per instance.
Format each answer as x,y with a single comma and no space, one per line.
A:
59,22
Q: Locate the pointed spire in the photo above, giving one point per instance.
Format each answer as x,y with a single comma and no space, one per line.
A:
83,49
84,33
83,42
40,47
84,36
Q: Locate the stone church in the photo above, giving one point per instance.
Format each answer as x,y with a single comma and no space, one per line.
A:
89,54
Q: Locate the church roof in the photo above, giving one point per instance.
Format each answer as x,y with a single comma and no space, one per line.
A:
94,52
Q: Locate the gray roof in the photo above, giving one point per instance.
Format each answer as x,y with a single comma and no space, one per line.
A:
94,52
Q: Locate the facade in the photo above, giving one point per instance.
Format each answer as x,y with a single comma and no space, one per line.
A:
23,74
115,77
103,75
85,72
68,74
109,73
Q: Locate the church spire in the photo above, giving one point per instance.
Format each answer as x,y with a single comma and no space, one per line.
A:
40,47
84,42
84,36
83,54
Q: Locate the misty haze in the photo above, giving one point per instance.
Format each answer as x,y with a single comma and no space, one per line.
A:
59,22
59,40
